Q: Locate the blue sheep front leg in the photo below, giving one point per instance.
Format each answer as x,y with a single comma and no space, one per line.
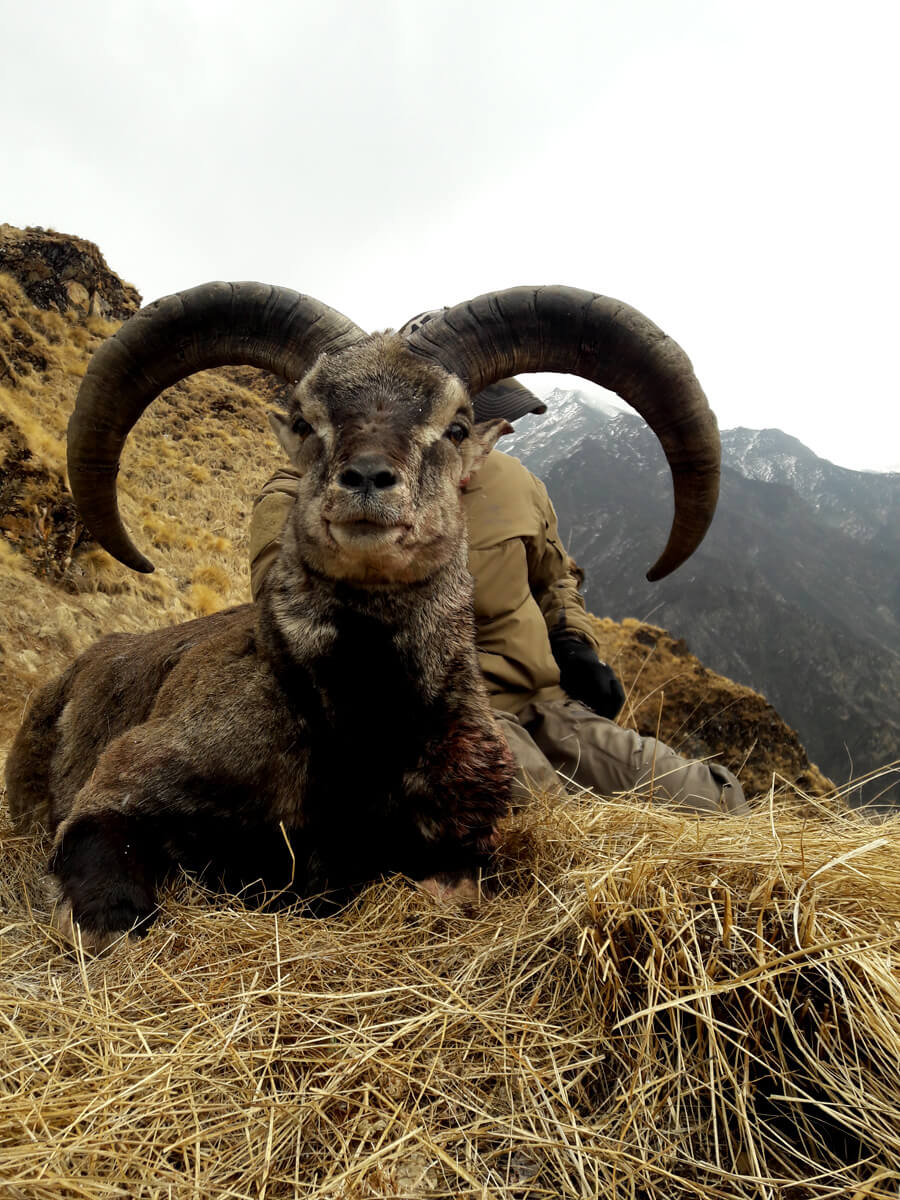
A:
109,854
148,806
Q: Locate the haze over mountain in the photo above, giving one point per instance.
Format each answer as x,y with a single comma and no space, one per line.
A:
795,590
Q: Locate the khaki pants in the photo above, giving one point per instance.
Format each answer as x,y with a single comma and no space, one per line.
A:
563,736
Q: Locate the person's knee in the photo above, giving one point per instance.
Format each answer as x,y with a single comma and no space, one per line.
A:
534,772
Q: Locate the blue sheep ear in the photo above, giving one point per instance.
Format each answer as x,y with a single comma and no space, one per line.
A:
484,437
282,427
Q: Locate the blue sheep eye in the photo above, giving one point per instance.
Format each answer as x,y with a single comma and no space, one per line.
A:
301,427
456,432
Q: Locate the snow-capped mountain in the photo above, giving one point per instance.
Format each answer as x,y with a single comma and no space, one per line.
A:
865,504
794,591
550,436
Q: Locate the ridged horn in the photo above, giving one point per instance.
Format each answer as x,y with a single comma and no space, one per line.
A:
506,398
565,329
213,325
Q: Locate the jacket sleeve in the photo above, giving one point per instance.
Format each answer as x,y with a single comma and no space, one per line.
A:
554,576
270,511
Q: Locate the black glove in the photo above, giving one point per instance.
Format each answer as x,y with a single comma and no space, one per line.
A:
584,677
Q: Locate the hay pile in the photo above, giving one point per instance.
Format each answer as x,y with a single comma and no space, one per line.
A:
653,1006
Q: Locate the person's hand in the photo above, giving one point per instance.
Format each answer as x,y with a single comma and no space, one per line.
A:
584,677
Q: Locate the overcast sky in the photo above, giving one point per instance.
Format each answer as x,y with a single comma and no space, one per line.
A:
729,168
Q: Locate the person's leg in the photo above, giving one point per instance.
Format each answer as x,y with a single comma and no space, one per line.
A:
598,754
533,771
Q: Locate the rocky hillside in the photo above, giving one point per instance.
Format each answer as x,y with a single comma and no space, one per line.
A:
795,590
62,274
192,467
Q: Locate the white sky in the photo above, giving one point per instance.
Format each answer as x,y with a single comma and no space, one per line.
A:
729,168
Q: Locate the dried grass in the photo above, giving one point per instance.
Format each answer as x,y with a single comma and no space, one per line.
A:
653,1006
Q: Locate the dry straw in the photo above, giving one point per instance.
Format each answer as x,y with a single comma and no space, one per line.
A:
653,1005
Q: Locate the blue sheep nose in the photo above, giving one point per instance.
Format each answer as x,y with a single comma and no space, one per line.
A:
368,473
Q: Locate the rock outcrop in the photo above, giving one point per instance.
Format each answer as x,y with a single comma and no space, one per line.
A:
62,272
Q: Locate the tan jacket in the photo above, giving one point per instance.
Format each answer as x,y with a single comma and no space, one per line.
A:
525,583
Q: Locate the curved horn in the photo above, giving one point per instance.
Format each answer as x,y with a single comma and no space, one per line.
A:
214,325
566,329
506,398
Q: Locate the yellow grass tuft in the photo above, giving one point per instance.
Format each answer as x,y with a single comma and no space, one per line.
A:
44,438
204,600
213,577
99,327
654,1005
73,363
162,532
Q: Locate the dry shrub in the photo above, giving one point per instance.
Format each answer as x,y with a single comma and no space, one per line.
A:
653,1005
214,577
204,600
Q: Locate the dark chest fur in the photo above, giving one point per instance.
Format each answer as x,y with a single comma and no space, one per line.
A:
362,705
370,700
365,726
